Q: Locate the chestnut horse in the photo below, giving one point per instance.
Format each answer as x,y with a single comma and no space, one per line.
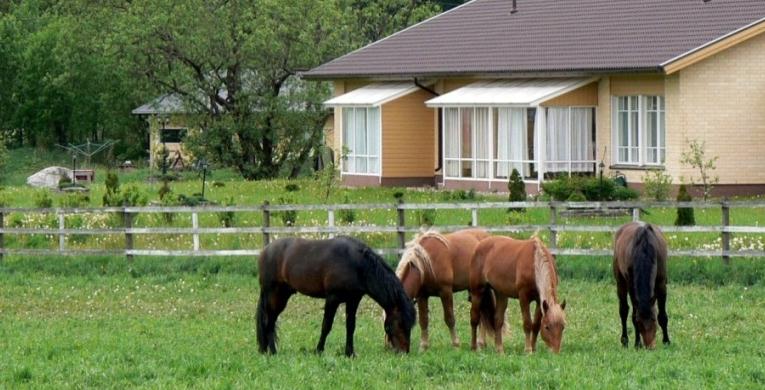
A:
438,265
640,269
523,269
340,270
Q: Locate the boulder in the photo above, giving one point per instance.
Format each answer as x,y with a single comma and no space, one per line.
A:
49,177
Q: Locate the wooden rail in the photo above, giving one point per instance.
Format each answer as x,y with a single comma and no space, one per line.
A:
725,230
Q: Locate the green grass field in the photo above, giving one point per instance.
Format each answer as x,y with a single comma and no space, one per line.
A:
73,323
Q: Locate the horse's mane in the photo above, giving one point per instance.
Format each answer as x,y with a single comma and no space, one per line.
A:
544,272
644,251
383,285
416,256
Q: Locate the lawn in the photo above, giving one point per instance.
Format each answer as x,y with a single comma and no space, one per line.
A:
72,323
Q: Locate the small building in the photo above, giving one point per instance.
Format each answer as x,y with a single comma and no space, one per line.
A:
168,126
555,88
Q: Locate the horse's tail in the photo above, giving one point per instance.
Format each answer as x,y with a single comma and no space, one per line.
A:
261,319
488,310
644,251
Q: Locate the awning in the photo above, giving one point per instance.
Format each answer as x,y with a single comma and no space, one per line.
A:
373,95
518,92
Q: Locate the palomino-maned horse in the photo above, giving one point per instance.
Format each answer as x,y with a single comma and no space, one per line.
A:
438,265
523,269
640,269
340,270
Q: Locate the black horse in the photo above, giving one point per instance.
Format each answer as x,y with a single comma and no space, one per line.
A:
340,270
640,269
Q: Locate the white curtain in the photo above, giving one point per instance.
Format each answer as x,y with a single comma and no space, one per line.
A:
373,139
360,149
502,169
540,132
482,134
452,140
581,139
518,139
558,141
349,163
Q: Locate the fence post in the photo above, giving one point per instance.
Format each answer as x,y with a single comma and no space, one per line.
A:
195,226
266,224
401,224
553,227
474,217
61,236
636,214
725,235
331,221
2,235
128,218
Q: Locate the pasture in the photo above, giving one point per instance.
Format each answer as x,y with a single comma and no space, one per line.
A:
89,322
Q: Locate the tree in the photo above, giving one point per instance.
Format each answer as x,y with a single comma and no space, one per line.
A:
517,188
685,215
377,19
696,157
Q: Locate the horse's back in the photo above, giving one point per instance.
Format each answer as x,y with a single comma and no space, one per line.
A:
462,246
504,263
624,245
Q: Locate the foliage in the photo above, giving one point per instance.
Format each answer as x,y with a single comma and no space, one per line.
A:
43,200
227,218
517,189
657,185
697,158
164,190
112,193
593,189
685,216
292,187
426,217
75,200
288,217
327,176
132,196
624,193
192,200
576,197
347,215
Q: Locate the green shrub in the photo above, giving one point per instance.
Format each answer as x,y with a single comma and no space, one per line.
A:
576,197
218,184
426,217
624,193
657,185
595,189
132,196
592,188
43,200
227,218
112,196
75,200
517,189
288,217
560,189
192,200
685,215
292,187
347,215
164,190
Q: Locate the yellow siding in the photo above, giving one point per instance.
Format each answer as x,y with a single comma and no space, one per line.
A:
407,139
603,121
584,96
637,85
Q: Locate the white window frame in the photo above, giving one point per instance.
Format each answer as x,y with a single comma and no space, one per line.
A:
474,160
569,163
351,140
642,132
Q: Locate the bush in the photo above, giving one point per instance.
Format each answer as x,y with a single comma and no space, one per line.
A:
560,189
75,200
426,217
292,187
592,188
288,217
347,215
43,200
517,189
112,193
191,200
657,185
596,189
132,196
164,190
624,193
226,218
576,197
685,215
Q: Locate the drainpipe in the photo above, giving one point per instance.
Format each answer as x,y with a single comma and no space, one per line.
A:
440,125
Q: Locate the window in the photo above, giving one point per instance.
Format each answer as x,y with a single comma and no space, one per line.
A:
172,136
468,137
569,140
511,128
640,130
361,140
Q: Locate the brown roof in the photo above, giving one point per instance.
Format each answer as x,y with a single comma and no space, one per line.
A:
482,37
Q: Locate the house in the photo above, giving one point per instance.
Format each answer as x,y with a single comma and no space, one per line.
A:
168,125
556,88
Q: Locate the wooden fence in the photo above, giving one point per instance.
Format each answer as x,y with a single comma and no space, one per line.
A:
331,228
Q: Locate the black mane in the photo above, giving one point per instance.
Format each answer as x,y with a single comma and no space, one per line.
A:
644,252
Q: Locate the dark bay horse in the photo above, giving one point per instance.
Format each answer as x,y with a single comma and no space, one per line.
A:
340,270
640,269
435,264
523,269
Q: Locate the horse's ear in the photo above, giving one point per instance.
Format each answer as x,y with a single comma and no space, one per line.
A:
563,305
545,307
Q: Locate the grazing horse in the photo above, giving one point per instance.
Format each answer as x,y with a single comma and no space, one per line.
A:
640,269
524,269
438,265
340,270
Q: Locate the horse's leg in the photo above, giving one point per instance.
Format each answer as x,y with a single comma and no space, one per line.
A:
528,325
536,326
621,292
350,323
329,316
276,305
475,316
422,306
633,300
499,322
661,300
447,301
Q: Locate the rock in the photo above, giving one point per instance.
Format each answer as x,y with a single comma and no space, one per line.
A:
49,177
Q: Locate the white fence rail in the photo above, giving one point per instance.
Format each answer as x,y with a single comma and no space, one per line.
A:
331,228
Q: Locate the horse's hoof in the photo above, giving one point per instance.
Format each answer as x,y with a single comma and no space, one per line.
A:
424,347
456,343
625,342
667,342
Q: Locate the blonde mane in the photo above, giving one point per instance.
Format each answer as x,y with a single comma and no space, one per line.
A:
545,274
416,256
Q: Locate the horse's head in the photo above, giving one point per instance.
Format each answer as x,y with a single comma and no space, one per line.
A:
646,325
398,328
553,324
